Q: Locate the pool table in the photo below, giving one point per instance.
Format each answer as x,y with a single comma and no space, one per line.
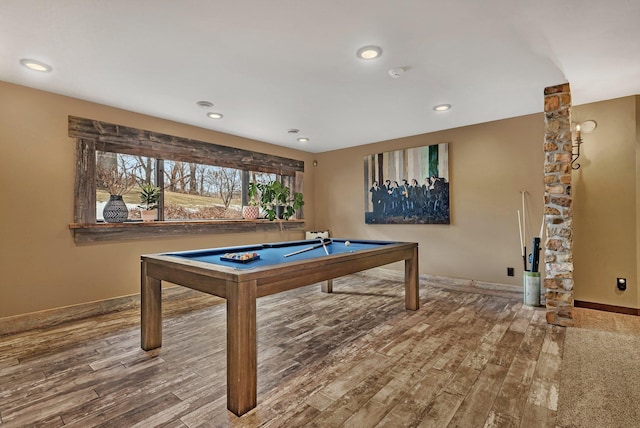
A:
280,266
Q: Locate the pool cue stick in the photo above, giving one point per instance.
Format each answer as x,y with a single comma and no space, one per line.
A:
313,247
524,217
524,228
535,253
520,230
524,214
324,246
523,249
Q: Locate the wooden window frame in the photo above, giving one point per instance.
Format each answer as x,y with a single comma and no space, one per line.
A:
93,135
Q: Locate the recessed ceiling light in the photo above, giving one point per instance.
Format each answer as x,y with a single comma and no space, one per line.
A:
442,107
213,115
303,139
34,65
293,131
205,104
369,52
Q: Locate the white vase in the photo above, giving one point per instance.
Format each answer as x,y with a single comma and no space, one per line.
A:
250,212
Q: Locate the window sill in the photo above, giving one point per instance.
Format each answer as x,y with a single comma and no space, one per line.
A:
98,232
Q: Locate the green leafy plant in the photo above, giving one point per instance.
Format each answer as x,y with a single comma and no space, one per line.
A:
276,197
253,194
149,196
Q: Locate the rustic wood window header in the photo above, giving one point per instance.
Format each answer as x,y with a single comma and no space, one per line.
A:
94,135
108,137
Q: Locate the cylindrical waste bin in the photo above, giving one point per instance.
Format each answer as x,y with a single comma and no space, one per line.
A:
532,288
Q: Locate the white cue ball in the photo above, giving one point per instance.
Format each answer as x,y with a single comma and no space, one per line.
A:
347,243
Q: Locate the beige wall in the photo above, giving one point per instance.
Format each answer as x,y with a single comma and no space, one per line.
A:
606,204
489,164
638,199
40,265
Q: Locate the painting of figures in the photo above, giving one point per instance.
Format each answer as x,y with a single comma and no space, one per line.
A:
409,186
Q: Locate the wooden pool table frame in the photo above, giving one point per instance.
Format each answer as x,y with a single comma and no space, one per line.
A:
241,288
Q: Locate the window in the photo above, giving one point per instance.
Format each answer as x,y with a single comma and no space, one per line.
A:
200,182
120,174
196,191
190,191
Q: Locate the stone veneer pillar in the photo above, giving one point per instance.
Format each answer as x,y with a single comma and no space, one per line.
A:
558,248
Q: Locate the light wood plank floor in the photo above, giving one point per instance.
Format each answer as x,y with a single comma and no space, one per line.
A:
354,358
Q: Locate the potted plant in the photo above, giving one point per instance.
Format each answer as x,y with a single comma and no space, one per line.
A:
117,182
149,197
277,200
251,211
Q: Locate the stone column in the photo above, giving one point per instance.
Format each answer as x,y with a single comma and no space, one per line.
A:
558,248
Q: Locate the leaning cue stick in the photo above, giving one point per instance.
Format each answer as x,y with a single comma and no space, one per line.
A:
524,216
520,230
313,247
524,230
523,249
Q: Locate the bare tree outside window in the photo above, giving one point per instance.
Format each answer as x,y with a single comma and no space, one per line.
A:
191,191
227,181
197,191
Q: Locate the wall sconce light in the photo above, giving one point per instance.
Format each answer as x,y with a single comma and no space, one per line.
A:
580,128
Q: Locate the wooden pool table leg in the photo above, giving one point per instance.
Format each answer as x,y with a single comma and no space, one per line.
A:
327,286
150,310
411,282
242,357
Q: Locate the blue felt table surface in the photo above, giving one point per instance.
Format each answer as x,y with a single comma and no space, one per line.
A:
271,254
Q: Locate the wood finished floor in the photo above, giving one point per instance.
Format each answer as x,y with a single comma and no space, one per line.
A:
354,358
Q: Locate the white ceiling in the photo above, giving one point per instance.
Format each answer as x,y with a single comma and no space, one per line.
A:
272,65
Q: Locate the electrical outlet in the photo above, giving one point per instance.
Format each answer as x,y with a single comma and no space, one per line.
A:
621,283
510,271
